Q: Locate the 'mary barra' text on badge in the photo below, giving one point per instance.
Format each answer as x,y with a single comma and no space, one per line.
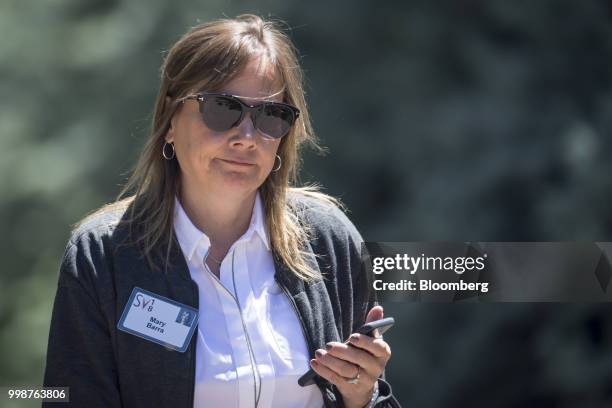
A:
156,325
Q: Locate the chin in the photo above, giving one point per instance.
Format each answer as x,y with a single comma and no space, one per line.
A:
239,180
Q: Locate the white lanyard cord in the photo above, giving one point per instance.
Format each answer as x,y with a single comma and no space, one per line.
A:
256,391
255,369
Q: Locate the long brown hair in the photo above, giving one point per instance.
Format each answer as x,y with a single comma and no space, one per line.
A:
207,57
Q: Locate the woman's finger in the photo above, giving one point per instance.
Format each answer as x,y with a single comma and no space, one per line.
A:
341,367
357,356
375,346
327,373
363,386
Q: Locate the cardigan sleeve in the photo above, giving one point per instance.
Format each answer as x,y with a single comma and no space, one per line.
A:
364,298
80,353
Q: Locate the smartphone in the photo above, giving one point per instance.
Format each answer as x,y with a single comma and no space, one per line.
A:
382,325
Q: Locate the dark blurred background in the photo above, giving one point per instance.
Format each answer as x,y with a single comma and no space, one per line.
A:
446,120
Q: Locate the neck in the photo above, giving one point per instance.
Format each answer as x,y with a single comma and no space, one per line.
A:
223,220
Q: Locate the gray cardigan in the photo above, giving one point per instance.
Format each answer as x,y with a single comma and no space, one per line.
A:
106,367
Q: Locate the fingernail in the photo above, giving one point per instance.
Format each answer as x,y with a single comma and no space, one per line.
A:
313,363
319,353
329,345
354,338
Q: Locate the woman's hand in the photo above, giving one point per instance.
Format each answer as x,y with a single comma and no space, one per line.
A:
365,358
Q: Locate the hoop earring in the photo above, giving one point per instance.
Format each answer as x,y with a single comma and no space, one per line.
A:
167,157
280,163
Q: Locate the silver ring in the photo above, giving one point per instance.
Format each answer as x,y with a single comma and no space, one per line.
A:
355,379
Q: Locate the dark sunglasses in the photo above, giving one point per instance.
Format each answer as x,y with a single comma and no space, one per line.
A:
222,112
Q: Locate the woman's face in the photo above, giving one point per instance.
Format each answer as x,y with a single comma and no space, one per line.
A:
233,162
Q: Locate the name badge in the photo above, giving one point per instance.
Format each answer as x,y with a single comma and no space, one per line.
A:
159,319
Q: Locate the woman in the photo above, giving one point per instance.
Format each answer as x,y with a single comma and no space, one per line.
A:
209,227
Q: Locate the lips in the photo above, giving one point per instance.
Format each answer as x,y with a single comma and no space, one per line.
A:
237,162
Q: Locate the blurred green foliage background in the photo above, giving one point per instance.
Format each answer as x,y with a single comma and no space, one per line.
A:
446,120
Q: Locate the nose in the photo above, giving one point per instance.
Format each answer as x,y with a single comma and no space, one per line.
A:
246,134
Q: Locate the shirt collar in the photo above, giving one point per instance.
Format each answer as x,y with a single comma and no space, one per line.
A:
190,237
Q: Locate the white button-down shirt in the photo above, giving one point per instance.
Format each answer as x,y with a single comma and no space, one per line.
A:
250,342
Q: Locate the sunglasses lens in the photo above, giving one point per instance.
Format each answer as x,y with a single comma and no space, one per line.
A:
275,120
220,113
